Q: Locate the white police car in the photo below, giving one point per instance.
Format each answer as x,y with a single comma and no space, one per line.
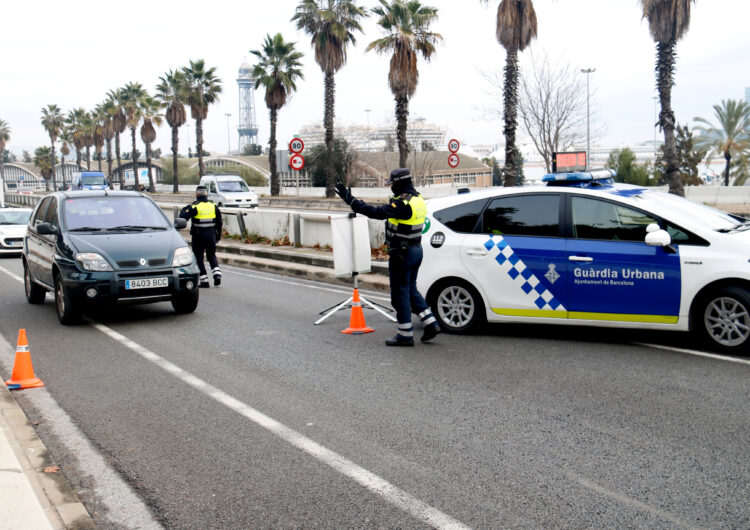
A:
13,229
585,250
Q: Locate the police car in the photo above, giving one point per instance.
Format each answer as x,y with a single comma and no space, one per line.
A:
585,250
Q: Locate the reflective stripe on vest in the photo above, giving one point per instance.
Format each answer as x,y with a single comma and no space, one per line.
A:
408,230
205,216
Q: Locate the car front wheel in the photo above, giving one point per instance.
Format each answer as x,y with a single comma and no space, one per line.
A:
723,320
68,308
34,293
184,303
458,307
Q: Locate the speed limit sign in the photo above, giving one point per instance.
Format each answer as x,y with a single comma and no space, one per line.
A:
453,146
453,160
297,162
296,145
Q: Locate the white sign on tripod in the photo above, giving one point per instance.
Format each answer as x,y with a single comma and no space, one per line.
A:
351,244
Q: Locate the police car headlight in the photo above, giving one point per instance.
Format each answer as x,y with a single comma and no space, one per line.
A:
91,261
182,256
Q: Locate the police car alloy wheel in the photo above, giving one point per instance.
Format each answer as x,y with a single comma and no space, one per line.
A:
725,319
458,307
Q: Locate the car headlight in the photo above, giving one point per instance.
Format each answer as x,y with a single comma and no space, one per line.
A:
91,261
182,256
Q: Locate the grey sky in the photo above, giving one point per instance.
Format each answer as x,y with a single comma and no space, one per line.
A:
72,53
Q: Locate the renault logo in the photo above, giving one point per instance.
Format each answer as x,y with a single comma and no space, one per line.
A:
142,261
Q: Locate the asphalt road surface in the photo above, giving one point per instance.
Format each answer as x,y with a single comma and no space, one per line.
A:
245,415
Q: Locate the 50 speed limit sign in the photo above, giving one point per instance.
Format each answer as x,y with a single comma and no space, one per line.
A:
453,146
296,145
297,162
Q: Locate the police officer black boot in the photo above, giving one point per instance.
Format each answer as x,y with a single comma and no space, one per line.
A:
203,282
398,340
430,332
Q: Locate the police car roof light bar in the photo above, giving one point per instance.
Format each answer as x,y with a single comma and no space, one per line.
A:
581,179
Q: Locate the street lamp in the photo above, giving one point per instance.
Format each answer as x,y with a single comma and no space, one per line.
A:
229,148
588,71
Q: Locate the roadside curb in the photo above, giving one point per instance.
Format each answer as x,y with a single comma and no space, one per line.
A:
55,497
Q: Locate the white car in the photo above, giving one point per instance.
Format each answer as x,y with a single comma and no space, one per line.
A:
13,223
585,250
229,191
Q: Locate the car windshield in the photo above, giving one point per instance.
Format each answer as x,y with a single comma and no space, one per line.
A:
113,213
14,217
684,211
93,180
233,186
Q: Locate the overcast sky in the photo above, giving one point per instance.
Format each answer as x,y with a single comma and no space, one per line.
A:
72,53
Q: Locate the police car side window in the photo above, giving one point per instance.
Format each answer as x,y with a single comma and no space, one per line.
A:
596,219
461,218
524,215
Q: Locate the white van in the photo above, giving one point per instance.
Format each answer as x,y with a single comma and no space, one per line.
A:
230,191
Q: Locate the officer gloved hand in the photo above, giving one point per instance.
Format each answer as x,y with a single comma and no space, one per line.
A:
345,193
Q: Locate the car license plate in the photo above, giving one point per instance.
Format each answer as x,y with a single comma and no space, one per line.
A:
15,243
147,283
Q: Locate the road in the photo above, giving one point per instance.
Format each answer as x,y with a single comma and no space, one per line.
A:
245,415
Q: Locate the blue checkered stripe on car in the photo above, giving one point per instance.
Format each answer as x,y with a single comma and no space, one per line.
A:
521,275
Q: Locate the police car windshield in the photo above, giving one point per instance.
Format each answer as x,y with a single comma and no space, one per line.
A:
14,217
686,212
232,186
112,213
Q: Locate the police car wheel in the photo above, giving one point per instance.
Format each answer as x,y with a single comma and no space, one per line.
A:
457,306
724,320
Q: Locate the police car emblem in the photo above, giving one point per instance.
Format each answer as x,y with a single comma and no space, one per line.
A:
142,261
437,239
426,227
552,275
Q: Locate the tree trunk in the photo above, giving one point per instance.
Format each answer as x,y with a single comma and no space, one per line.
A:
88,157
275,186
665,73
78,157
175,140
62,165
109,164
510,112
330,96
134,158
402,115
52,162
199,146
151,186
99,158
119,160
728,158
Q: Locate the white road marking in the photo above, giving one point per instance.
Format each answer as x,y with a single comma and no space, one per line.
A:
392,494
15,277
638,505
695,352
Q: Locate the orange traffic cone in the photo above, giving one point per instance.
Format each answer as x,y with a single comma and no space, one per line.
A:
357,320
23,370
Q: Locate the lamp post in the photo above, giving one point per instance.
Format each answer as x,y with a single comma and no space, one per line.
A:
588,71
229,148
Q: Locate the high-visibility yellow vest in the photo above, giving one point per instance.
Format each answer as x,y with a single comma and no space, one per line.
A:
205,216
407,231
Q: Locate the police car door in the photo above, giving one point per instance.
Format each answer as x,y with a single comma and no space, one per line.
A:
612,274
517,255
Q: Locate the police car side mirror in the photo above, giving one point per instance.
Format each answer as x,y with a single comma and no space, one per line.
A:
660,238
180,223
653,227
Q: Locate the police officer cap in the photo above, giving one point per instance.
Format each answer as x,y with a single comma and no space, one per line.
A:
201,190
401,173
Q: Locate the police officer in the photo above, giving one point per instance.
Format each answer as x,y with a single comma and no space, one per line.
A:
404,215
205,229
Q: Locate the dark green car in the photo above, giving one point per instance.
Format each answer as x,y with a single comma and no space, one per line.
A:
95,247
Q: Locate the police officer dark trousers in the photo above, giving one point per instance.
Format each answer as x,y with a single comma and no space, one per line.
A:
404,215
205,229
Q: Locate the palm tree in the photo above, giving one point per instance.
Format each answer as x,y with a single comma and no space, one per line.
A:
516,28
731,137
668,21
87,136
406,25
330,24
107,111
52,121
66,138
119,123
131,99
278,69
203,88
98,133
74,120
171,90
44,161
151,109
4,138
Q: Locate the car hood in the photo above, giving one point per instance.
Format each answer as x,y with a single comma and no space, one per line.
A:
129,247
239,196
12,230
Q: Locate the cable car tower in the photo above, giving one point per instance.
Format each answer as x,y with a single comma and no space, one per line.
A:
247,128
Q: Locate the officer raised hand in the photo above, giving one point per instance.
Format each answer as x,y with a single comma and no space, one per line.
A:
345,193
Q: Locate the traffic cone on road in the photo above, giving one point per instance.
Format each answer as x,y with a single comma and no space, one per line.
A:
357,319
23,370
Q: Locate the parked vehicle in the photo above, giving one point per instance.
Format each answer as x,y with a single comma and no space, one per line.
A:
230,191
104,247
88,180
584,250
13,223
128,180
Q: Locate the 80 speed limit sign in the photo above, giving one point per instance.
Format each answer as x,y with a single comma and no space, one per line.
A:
453,146
296,145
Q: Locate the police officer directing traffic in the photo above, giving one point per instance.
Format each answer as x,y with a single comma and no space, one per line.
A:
205,229
404,214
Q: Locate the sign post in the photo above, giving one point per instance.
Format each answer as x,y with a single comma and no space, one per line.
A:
296,146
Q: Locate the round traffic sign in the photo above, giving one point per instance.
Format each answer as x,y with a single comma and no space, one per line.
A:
296,145
453,146
297,162
453,160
